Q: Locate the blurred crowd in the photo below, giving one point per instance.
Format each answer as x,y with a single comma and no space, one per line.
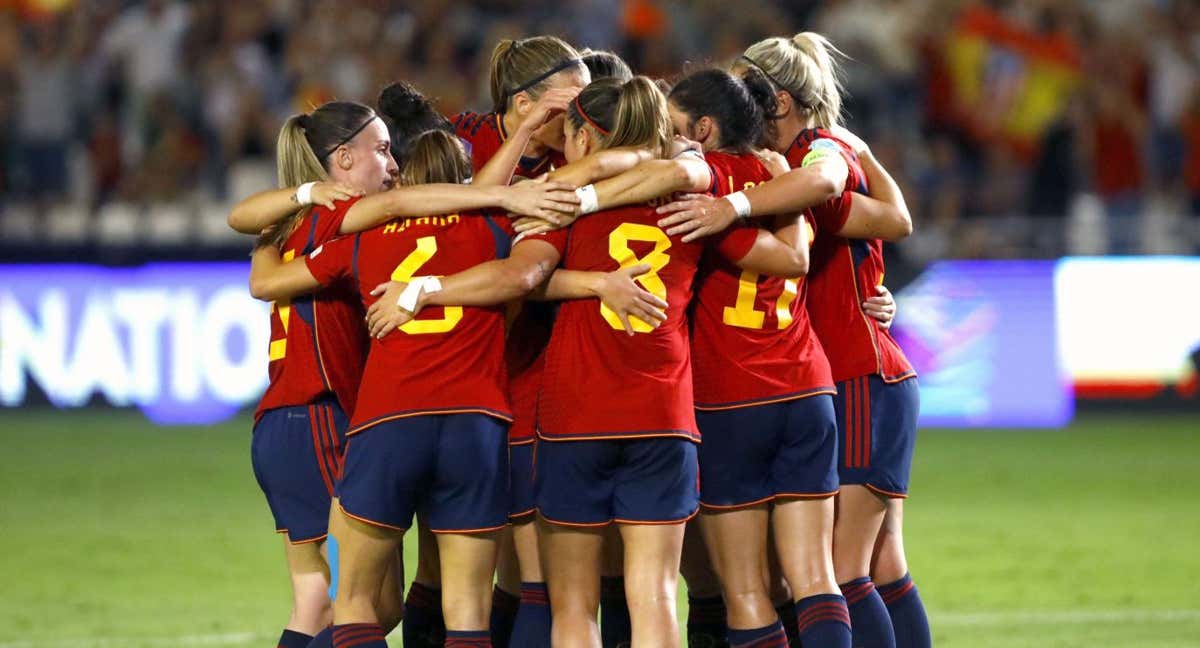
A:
1017,127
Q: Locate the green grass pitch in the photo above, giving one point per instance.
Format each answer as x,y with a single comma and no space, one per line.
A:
116,533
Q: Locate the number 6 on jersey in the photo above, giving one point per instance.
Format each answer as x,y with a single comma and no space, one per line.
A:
426,248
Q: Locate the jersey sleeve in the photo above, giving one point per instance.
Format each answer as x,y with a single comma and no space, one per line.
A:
736,242
329,223
333,260
831,217
557,238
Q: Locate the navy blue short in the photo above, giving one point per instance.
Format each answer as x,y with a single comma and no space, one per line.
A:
629,481
520,459
877,426
751,455
452,468
297,456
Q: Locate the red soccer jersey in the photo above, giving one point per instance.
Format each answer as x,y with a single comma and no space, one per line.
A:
448,360
484,134
752,342
318,342
527,338
600,383
843,273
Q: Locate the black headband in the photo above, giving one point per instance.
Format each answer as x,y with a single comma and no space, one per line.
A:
562,65
765,73
349,137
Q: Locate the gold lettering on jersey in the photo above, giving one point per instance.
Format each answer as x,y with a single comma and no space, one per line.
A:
399,225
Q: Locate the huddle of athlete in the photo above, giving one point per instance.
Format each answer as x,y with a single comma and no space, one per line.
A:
590,340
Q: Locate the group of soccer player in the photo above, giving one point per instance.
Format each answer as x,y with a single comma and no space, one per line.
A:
610,332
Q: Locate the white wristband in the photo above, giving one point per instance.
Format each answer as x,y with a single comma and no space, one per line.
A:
741,204
588,203
304,193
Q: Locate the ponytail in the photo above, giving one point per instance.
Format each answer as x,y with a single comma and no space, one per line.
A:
806,68
740,107
294,158
631,113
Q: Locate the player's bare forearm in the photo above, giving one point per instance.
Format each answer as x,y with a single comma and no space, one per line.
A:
654,179
263,209
599,165
777,255
545,200
495,282
499,169
271,278
896,223
566,284
798,189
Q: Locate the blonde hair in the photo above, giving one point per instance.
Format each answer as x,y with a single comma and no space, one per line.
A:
629,113
305,140
527,64
294,158
805,66
436,156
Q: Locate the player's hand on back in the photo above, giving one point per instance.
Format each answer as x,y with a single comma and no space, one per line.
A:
327,193
856,143
530,225
881,308
774,161
548,201
681,145
386,315
620,291
696,215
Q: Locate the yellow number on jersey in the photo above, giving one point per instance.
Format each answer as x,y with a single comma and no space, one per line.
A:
406,271
619,250
278,347
743,314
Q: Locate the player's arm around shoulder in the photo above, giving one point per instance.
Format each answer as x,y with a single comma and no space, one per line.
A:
489,283
271,278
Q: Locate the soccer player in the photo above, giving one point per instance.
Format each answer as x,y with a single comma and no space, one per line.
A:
317,347
424,434
532,82
615,421
318,342
877,398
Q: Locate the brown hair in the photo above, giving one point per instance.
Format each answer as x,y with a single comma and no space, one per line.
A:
527,64
630,113
305,141
435,156
805,67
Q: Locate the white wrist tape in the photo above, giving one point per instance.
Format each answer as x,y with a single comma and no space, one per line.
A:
304,193
741,204
410,295
588,203
408,298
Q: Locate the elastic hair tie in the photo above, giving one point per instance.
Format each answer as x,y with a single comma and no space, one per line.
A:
579,109
562,65
349,137
765,73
